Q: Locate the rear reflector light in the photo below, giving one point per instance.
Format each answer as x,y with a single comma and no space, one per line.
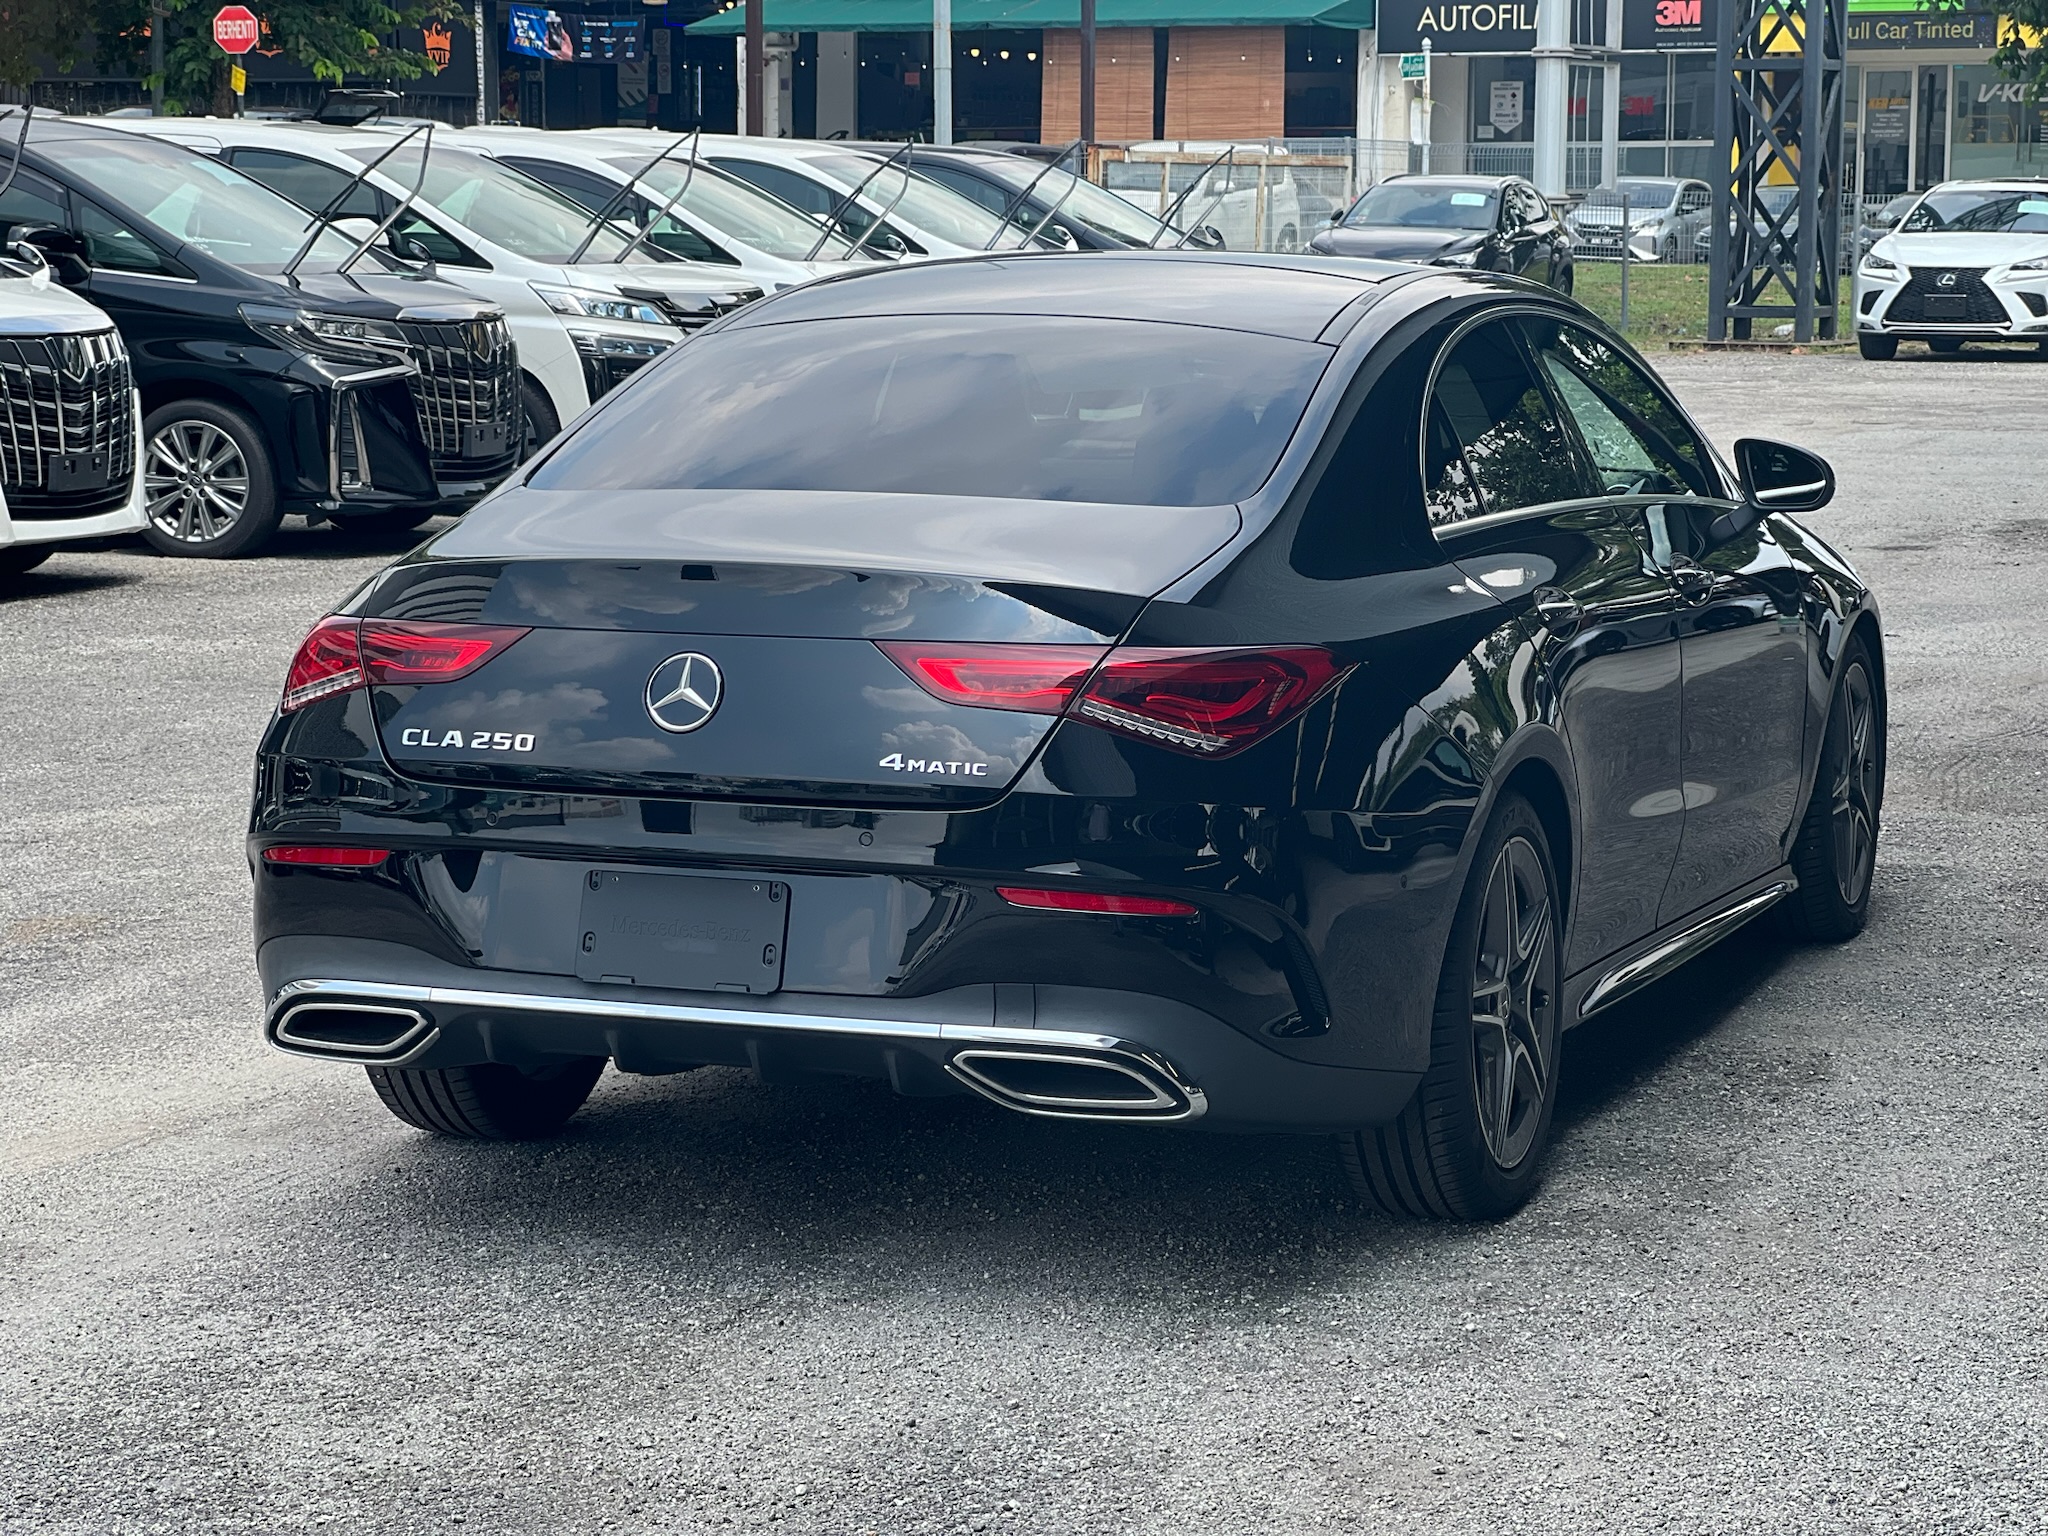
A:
333,858
342,654
1089,901
1208,703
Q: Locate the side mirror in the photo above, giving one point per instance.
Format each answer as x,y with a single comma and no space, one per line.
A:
1336,218
62,250
1776,477
1207,238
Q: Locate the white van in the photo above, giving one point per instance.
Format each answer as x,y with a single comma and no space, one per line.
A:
69,420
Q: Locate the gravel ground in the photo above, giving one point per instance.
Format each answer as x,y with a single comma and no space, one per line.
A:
1785,1275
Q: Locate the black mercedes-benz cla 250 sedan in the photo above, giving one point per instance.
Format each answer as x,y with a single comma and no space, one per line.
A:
1241,691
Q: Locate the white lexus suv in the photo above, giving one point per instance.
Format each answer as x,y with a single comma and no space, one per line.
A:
1968,263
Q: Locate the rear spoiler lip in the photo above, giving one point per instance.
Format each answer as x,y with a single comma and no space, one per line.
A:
1133,551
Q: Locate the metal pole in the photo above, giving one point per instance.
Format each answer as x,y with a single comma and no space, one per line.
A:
482,113
1813,165
1553,96
1428,102
1087,74
1625,233
757,47
942,71
1727,176
156,58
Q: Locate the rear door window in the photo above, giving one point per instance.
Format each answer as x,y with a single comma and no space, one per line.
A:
1492,441
307,182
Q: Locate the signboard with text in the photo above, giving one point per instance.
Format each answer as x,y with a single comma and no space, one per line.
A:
1458,26
1666,24
236,28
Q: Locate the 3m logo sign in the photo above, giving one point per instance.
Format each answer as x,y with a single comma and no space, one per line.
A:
1678,13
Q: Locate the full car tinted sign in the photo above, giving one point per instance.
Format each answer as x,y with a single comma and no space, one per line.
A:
1459,26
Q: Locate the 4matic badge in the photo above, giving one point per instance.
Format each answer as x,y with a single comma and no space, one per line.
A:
896,762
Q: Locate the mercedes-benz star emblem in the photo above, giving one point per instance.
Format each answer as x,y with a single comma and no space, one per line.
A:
683,692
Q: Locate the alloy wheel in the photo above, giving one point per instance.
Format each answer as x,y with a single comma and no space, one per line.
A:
196,481
1513,1003
1854,791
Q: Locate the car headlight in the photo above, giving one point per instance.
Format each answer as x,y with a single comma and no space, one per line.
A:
1456,259
597,306
1878,266
2038,264
347,338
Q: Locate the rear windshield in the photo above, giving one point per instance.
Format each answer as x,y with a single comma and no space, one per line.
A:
1036,409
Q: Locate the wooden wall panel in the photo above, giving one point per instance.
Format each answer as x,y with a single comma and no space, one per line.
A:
1226,83
1123,85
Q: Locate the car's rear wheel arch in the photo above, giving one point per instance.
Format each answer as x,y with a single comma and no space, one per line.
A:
1537,780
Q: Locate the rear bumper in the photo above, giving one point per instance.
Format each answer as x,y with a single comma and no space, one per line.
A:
445,1015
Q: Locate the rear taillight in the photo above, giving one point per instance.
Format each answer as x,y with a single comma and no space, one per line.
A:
1208,703
341,654
1091,901
327,857
1037,679
328,661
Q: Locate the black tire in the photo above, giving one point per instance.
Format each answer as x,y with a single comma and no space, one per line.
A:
1836,852
232,508
21,559
488,1103
1469,1146
1877,349
538,422
1669,254
1945,346
1565,285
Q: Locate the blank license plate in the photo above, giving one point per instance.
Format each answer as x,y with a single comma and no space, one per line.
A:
701,933
77,472
1947,306
485,440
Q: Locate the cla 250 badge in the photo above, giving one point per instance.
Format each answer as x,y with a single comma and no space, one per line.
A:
474,741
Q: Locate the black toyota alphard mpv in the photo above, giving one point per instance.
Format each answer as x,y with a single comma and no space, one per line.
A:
1264,693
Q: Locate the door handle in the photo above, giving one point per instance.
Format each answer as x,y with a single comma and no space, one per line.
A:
1694,583
1558,609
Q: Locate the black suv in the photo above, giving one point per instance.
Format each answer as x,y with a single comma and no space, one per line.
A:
360,394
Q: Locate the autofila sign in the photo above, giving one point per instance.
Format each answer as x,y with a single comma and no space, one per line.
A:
1459,26
236,28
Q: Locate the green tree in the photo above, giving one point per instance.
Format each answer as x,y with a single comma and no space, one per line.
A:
32,31
332,38
2016,59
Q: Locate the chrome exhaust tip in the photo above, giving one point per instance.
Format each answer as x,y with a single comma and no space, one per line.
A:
371,1033
1073,1085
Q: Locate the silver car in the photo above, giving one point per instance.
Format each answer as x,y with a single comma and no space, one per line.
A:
1665,215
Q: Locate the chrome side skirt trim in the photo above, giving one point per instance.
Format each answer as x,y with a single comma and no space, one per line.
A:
1675,951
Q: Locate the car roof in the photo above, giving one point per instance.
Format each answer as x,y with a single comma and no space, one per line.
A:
1288,296
1994,184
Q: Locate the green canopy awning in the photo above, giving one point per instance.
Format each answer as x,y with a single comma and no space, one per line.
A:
1025,15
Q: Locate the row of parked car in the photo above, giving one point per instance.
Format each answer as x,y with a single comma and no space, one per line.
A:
372,322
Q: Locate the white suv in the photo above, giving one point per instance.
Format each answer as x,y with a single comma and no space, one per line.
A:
1968,263
69,422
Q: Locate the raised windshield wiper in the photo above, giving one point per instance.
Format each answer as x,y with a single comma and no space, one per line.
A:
662,212
325,217
1024,196
14,170
619,196
846,202
1166,218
